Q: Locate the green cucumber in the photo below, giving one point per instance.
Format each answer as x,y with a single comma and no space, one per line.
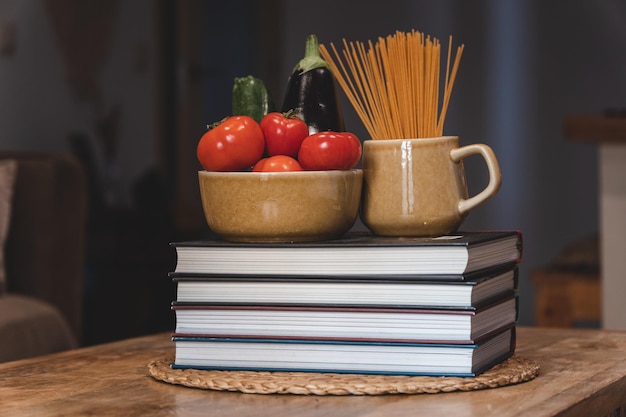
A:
251,98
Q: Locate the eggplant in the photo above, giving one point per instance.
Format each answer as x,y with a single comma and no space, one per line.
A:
312,92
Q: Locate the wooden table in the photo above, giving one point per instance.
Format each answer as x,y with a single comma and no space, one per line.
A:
583,374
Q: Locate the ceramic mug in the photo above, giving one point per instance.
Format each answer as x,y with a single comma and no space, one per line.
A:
417,187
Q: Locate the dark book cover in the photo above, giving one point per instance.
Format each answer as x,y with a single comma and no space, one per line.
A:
397,293
354,254
367,239
415,325
497,348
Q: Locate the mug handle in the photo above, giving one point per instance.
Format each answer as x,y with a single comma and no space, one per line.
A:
495,177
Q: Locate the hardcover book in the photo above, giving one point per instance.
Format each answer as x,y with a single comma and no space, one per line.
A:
409,291
344,356
345,323
356,254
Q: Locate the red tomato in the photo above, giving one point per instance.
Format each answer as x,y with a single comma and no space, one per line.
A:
235,144
283,133
277,163
330,150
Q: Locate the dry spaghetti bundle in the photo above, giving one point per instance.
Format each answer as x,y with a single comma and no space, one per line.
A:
394,84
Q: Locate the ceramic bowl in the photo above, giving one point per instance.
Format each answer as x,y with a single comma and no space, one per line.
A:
280,206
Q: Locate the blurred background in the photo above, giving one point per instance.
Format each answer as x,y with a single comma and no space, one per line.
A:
129,87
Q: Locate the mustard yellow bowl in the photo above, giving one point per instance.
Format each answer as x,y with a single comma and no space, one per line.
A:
280,206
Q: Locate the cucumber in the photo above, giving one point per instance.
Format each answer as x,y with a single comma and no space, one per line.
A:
251,98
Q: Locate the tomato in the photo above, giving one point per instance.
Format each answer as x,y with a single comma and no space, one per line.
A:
283,133
330,150
235,144
277,163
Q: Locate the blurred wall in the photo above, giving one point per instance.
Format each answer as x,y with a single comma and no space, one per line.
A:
40,110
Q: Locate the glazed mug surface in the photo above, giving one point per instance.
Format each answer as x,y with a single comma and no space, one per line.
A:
417,187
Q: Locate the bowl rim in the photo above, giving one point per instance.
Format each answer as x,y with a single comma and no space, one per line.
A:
330,172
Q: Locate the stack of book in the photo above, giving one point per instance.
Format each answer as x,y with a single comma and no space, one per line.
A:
360,304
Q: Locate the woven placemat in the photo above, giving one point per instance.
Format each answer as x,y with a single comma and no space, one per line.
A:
514,370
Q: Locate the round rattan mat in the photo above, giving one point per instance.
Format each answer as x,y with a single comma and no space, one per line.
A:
514,370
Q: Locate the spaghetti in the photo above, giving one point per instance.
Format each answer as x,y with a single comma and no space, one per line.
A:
393,84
